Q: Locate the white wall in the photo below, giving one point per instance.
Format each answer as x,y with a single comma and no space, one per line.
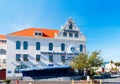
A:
11,52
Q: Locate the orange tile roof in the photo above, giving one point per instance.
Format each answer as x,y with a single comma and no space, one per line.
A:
2,37
30,32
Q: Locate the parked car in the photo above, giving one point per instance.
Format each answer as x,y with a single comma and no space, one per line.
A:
106,75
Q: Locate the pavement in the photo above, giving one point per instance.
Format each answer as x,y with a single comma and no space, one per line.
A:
105,81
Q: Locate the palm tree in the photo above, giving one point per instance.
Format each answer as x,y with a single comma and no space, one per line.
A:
117,64
111,63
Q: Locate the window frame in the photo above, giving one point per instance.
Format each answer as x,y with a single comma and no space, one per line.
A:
38,57
50,46
62,47
50,58
19,58
76,35
38,45
25,45
4,61
70,26
25,57
18,45
81,47
62,60
70,34
65,34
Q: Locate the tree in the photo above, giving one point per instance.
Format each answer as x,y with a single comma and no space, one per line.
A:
117,65
87,61
95,60
80,62
111,63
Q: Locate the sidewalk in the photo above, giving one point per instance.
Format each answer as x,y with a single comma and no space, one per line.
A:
52,82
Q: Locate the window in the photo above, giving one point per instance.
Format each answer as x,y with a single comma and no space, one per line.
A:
2,52
37,45
62,58
38,34
37,57
62,47
4,61
70,26
18,44
70,34
25,57
50,46
81,48
76,34
18,56
18,68
65,34
5,41
51,58
25,45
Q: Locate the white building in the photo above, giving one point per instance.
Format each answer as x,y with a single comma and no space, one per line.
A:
3,48
43,51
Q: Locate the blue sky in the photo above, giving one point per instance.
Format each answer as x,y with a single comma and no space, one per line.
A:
99,20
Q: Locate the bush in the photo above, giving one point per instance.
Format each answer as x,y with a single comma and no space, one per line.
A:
6,81
92,73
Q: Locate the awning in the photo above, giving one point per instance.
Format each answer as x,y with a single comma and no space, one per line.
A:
44,68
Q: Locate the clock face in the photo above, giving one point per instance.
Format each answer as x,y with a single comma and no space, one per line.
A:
72,48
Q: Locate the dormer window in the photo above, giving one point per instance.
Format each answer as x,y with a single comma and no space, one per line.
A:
38,33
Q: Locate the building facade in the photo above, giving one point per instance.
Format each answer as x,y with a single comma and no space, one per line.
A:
3,49
43,51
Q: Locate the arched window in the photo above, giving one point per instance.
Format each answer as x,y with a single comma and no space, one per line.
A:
17,69
62,47
2,52
25,45
81,47
18,44
37,45
50,46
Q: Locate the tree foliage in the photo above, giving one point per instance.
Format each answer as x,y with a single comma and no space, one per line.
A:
80,62
87,61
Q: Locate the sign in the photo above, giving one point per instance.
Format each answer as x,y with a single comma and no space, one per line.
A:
70,58
74,31
50,65
60,53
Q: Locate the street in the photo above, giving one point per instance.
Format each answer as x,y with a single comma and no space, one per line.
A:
111,81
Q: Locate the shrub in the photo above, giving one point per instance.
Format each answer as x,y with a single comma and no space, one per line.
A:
6,81
92,73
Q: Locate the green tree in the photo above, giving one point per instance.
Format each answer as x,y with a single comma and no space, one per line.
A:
80,62
117,65
95,60
111,63
87,61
